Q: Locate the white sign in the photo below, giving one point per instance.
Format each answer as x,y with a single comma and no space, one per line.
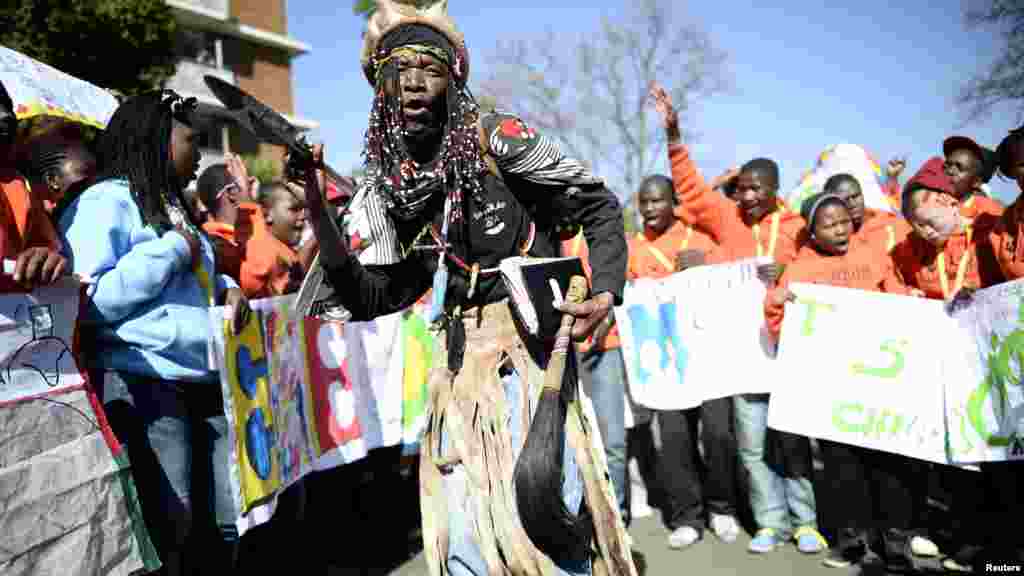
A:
695,336
864,368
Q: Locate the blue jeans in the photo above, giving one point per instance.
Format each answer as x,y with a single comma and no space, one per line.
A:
464,558
782,504
176,437
604,378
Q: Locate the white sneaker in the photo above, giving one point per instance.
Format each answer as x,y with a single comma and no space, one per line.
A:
725,527
923,547
683,537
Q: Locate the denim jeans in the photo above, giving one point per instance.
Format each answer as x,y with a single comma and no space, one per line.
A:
604,378
464,558
782,504
176,437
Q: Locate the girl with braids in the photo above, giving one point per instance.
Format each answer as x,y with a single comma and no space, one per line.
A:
147,313
450,193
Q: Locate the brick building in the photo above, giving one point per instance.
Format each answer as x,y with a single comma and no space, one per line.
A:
246,43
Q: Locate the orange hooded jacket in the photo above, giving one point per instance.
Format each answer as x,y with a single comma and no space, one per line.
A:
860,268
777,235
24,224
1005,241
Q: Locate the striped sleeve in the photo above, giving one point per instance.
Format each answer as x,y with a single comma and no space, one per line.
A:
369,217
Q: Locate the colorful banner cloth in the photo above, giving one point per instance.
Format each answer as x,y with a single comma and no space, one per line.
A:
674,332
850,159
41,90
304,394
68,503
985,402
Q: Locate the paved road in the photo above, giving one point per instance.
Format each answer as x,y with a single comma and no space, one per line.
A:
710,557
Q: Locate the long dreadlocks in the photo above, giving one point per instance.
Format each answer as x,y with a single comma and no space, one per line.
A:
136,146
406,185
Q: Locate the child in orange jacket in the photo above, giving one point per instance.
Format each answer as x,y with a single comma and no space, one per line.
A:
946,252
834,257
859,481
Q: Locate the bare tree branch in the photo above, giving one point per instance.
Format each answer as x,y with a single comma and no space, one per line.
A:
591,94
1003,82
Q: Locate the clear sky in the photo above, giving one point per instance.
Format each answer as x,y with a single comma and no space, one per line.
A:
876,73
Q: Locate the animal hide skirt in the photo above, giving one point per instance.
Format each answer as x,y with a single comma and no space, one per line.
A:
477,425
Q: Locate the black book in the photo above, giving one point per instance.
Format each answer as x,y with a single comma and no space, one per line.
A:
532,285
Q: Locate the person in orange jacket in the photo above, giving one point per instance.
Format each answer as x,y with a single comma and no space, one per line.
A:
986,538
26,234
946,252
233,218
271,266
879,229
754,223
859,481
1005,236
969,166
691,499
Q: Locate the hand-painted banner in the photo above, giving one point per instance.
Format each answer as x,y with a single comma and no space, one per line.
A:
985,403
68,502
304,394
37,332
864,368
675,333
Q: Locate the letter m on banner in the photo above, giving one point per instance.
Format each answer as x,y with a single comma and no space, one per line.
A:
655,356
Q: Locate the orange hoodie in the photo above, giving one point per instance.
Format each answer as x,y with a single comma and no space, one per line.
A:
777,235
966,260
655,256
232,250
270,268
860,268
882,230
1005,240
977,205
24,224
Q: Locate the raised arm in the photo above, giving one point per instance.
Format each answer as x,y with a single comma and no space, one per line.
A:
367,291
699,205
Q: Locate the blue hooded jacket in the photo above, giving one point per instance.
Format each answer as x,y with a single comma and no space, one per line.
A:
147,307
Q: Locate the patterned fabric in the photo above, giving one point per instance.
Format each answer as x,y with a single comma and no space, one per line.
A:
518,151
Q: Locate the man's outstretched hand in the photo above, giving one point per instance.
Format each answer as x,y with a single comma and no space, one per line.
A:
669,117
589,313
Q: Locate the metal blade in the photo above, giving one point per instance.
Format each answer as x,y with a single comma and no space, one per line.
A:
255,116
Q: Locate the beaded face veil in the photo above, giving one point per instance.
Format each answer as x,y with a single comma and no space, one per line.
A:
408,186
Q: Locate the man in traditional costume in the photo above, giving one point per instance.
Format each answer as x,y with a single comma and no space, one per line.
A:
449,193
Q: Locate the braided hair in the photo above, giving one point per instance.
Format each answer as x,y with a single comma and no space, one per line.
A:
136,146
408,187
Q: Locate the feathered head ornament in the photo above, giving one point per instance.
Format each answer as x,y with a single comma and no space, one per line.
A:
394,14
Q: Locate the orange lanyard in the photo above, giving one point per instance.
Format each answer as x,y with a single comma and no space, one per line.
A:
771,241
660,256
961,269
